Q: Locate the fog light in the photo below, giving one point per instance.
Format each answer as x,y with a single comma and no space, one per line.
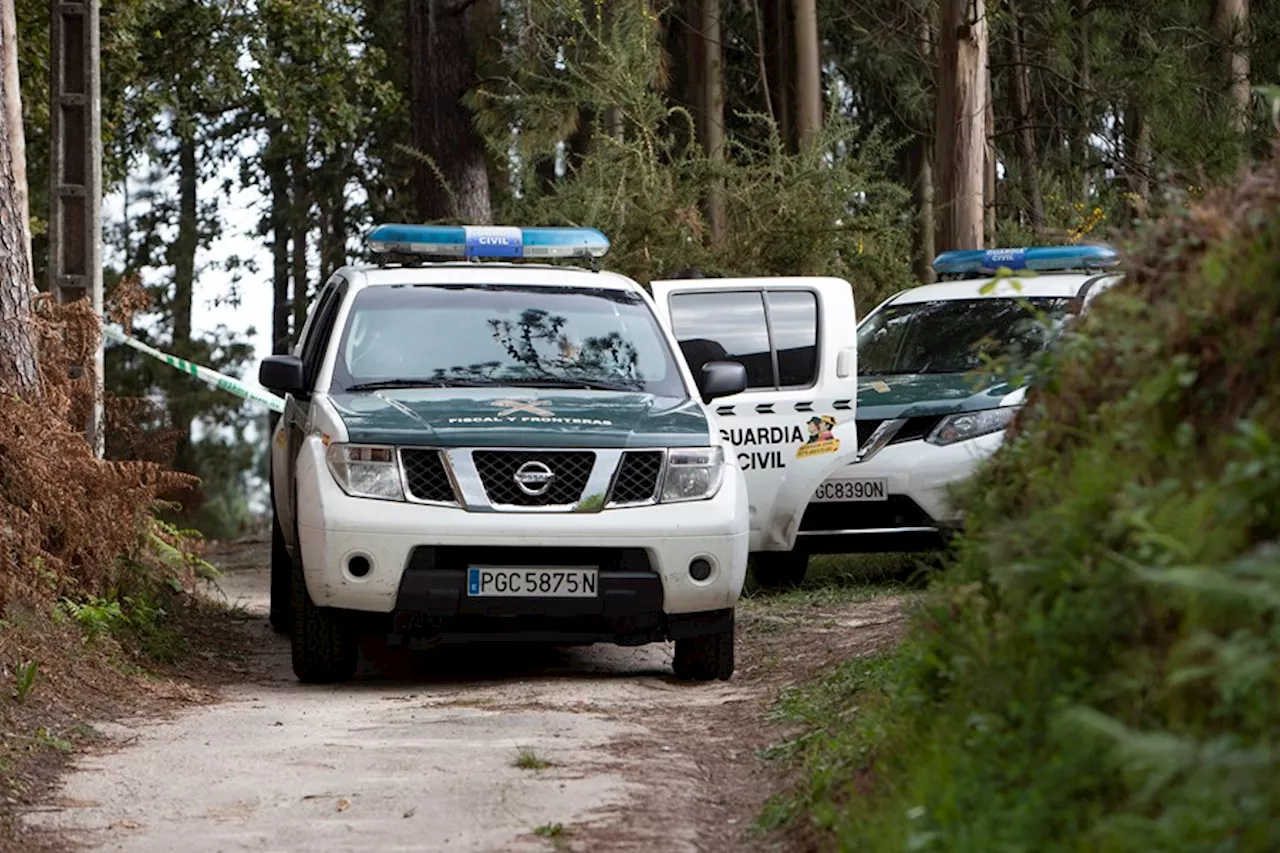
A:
700,569
358,566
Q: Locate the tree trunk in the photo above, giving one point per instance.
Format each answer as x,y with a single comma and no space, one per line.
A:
780,57
922,163
711,120
762,61
13,108
1024,125
1230,18
184,250
808,72
455,183
1137,160
961,121
300,227
19,359
989,158
1083,115
278,185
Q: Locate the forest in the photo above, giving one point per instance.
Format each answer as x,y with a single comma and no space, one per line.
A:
734,136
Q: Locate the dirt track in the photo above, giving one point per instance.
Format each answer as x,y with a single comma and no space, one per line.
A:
421,753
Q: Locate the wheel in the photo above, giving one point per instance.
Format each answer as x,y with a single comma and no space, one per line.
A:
706,657
325,648
779,569
281,591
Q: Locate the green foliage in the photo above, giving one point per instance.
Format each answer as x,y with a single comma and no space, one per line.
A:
549,830
1097,667
527,759
24,679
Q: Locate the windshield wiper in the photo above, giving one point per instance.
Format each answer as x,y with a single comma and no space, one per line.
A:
551,382
419,383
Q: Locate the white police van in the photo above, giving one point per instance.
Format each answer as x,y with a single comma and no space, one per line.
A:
516,450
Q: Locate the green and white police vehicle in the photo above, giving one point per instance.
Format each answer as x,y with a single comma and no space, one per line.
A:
478,445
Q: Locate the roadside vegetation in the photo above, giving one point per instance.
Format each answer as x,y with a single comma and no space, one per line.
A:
1096,668
98,595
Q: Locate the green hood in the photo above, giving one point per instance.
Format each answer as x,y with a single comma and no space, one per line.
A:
521,417
918,394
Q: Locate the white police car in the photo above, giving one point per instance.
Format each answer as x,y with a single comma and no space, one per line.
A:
512,450
927,414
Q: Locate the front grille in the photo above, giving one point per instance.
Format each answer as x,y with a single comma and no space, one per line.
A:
897,511
913,430
425,476
637,477
865,430
497,470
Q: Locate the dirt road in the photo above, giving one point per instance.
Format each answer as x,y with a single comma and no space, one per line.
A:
482,748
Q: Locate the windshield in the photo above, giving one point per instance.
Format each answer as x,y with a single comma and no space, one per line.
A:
957,336
471,335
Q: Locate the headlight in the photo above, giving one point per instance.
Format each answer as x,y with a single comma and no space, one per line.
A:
693,473
365,471
966,425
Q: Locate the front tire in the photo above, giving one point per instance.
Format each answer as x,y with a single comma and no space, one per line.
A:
779,569
325,646
281,589
706,657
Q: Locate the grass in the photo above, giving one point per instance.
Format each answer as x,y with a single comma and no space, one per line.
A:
527,759
549,830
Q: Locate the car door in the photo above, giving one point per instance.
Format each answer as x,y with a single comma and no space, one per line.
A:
286,440
795,421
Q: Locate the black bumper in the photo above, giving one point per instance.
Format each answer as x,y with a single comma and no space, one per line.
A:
432,605
898,524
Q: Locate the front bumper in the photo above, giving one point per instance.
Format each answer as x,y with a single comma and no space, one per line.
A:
416,554
917,515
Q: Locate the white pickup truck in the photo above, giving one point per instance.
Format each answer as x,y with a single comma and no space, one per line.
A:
481,450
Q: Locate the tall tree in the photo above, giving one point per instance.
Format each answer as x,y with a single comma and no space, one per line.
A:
962,111
451,175
808,71
18,357
712,104
1230,19
1024,120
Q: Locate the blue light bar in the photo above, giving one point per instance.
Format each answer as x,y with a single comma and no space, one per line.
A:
488,241
1037,258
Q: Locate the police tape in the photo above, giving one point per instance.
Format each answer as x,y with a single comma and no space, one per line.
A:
212,377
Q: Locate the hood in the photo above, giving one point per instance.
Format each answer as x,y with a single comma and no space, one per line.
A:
921,394
523,417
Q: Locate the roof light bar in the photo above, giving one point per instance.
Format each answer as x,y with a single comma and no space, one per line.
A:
1037,258
486,241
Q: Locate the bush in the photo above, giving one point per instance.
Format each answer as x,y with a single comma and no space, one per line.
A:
1098,667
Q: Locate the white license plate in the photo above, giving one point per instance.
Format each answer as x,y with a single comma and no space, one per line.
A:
835,491
532,582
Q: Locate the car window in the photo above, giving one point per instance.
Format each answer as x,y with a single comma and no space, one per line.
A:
724,327
793,319
778,347
956,336
319,328
491,334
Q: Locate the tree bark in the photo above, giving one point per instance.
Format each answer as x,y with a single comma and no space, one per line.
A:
922,161
780,58
19,359
1024,123
1230,18
442,69
961,122
808,72
989,157
1137,160
712,118
13,108
184,250
1080,143
300,227
278,185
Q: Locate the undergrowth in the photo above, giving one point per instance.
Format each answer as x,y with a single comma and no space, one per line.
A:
1099,668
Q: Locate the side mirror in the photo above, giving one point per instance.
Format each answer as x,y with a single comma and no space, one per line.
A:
722,379
282,374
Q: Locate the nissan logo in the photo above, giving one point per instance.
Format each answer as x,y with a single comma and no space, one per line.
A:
534,478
